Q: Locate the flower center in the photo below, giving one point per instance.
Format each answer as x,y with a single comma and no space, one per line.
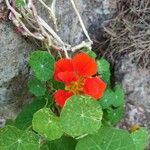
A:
75,87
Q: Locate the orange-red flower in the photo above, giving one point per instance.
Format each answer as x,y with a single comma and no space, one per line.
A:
77,74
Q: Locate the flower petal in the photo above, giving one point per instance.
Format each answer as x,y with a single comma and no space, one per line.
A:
84,65
61,97
62,65
94,87
67,77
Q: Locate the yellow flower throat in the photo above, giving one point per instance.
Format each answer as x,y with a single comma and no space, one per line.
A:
75,87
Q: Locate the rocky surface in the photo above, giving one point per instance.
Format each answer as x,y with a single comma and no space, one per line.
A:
136,83
15,49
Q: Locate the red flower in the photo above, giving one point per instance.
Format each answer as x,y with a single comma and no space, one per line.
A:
77,74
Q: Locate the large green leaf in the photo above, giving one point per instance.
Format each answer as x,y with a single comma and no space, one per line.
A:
42,63
24,118
81,115
104,69
64,143
36,87
107,139
12,138
140,138
47,124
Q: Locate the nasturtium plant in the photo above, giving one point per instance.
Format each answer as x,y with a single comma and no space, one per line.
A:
24,118
36,87
47,124
140,138
12,138
75,107
107,139
85,118
42,64
104,69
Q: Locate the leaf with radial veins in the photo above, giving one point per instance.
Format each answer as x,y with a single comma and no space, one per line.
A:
42,64
81,115
12,138
47,124
140,138
107,139
36,87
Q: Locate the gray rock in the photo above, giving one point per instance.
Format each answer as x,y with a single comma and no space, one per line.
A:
14,50
136,83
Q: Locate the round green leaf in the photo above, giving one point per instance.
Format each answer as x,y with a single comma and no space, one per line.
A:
64,143
114,116
89,52
119,96
12,138
24,118
107,139
140,138
107,99
42,63
36,87
81,115
47,124
104,69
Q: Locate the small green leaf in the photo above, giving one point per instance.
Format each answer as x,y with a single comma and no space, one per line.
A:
104,69
140,138
64,143
20,3
36,87
89,52
119,96
107,139
81,115
42,63
47,124
24,118
107,99
55,85
114,116
12,138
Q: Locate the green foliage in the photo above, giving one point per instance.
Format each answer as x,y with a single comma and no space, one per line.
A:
20,3
107,139
140,138
104,69
112,97
42,63
81,115
12,138
114,115
24,118
55,85
47,124
118,97
36,87
64,143
89,52
108,98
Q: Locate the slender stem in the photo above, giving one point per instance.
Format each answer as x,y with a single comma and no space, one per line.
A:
81,22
